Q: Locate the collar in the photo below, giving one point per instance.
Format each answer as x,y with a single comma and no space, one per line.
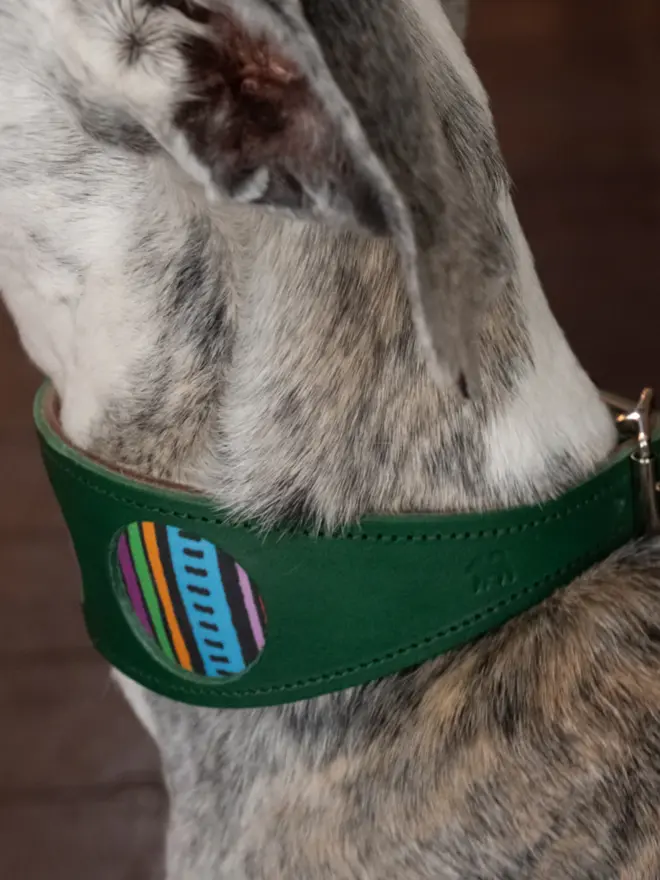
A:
214,613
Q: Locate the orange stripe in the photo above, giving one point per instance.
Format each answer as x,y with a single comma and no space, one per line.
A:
149,534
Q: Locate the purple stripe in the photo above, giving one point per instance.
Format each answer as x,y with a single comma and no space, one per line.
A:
132,585
251,608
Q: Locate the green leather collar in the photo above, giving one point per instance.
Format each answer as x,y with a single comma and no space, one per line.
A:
218,614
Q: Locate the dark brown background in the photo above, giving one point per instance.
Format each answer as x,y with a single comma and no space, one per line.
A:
576,92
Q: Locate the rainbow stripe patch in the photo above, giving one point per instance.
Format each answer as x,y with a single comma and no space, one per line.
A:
192,599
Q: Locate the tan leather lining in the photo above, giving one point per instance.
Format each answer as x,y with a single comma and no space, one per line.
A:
51,413
51,410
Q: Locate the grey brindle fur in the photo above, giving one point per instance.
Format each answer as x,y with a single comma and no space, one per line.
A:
310,297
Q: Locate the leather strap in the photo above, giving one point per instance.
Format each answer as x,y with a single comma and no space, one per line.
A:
319,612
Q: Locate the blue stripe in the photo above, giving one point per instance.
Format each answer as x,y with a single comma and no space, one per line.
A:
218,613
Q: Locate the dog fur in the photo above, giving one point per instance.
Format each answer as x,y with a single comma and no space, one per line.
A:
267,248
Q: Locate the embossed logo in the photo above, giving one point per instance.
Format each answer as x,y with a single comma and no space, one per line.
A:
493,571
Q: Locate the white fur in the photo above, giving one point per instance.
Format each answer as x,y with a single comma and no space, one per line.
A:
80,325
556,409
136,696
438,31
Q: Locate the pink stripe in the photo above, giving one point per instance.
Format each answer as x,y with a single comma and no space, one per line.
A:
251,608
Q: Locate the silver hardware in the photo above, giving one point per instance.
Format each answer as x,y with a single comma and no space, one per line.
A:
616,403
640,421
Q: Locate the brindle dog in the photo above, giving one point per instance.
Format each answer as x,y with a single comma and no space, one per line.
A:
267,248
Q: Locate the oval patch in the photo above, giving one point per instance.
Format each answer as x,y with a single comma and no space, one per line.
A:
193,600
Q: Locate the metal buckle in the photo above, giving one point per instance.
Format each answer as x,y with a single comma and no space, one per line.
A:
639,423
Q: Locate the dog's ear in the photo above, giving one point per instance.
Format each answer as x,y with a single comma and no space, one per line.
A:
364,112
255,127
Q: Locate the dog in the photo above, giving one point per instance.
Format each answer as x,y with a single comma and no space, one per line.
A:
267,249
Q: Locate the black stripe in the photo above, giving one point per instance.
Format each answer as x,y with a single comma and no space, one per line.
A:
196,554
163,615
236,604
213,643
213,626
203,609
198,591
177,601
198,572
190,536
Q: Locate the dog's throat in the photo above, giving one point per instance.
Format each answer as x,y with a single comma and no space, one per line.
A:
206,611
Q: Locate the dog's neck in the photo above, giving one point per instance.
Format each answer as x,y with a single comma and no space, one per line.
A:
274,364
281,375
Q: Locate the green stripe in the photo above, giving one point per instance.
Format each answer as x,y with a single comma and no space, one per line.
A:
148,590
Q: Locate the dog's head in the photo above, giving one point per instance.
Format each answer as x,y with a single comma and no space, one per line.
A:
360,113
